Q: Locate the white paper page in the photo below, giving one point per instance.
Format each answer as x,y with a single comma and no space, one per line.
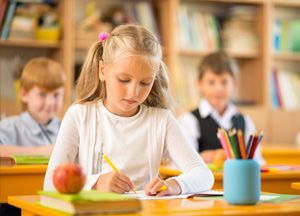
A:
142,196
267,197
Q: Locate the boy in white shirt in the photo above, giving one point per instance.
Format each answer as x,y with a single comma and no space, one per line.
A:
217,74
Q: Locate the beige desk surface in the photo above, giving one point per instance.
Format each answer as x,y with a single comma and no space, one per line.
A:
296,185
21,180
275,182
29,206
278,154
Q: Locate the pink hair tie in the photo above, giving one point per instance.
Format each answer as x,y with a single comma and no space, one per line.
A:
102,36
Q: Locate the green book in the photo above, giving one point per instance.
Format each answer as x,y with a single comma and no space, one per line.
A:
30,159
89,202
23,160
294,35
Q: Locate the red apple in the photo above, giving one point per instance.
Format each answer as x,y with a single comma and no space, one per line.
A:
68,178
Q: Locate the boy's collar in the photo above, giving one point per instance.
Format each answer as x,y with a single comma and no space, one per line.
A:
207,109
33,125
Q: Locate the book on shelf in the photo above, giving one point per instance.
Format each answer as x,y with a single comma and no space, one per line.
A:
285,89
239,30
3,9
8,19
89,202
145,16
198,30
105,19
23,160
286,35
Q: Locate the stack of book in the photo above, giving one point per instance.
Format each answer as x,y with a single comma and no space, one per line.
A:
239,30
89,202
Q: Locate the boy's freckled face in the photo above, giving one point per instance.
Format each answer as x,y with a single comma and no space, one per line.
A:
217,88
128,84
43,105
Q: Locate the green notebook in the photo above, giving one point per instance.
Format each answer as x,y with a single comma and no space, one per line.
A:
89,202
23,160
30,159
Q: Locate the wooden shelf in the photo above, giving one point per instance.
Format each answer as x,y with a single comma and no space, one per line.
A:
287,3
287,56
237,1
83,45
30,43
196,54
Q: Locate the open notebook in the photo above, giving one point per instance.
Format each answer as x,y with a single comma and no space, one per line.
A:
142,196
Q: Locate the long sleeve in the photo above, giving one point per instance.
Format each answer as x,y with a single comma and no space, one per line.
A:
191,128
196,175
66,148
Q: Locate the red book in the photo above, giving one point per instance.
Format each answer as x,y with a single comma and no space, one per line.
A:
277,87
3,9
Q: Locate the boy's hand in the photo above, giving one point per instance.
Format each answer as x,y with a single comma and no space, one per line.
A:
154,187
216,156
219,157
113,182
207,156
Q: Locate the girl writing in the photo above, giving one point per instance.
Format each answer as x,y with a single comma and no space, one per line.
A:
122,112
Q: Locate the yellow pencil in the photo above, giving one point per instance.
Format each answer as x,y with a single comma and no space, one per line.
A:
163,188
110,163
112,166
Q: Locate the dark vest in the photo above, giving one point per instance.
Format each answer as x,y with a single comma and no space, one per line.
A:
209,128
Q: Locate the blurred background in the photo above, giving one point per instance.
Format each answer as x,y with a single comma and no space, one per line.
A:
262,35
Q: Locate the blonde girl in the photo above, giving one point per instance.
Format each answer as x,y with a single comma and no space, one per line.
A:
122,112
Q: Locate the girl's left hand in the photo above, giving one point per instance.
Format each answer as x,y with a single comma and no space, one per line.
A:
154,187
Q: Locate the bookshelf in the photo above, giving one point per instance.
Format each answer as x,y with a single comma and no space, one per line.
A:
284,121
280,124
21,50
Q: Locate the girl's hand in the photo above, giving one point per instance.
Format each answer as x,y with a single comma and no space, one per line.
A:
113,182
154,187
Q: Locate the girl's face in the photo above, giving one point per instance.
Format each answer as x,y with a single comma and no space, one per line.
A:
128,83
43,105
217,89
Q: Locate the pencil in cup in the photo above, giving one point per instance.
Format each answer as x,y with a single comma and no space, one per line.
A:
234,146
110,163
223,142
241,143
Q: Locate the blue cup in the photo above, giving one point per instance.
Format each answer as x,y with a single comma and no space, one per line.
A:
241,182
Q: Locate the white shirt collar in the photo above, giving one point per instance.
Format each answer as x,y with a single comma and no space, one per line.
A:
206,109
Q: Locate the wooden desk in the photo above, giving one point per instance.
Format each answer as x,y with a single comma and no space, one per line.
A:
281,155
176,207
296,185
275,182
21,180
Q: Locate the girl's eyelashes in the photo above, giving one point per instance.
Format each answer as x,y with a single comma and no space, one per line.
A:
124,80
145,83
128,80
42,94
